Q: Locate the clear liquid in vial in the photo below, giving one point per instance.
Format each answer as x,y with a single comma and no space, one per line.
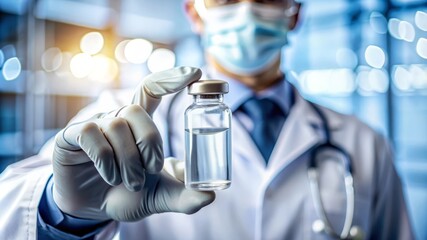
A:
208,159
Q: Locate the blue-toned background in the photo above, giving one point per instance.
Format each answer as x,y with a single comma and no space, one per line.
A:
362,57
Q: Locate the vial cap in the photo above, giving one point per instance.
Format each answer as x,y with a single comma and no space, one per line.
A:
208,87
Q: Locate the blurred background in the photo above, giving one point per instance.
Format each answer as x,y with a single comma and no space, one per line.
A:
362,57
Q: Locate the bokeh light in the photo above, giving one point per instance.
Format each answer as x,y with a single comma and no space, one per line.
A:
1,58
422,47
161,59
119,52
406,31
378,80
362,80
419,76
393,27
64,68
421,20
402,78
51,59
372,81
346,58
11,69
9,51
378,22
375,56
137,51
92,43
328,82
81,65
104,69
409,78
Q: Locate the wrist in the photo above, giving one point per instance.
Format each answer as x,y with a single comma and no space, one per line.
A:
54,217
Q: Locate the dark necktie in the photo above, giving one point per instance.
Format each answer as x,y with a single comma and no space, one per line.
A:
268,120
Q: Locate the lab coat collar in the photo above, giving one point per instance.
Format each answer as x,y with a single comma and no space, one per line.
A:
311,118
302,130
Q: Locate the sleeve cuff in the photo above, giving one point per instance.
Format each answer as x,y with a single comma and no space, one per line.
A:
53,221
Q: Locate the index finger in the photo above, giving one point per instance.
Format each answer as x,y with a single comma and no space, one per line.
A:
156,85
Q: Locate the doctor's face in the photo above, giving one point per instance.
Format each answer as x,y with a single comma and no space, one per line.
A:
244,39
285,4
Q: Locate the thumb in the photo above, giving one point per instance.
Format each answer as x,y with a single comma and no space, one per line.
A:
162,193
158,84
177,198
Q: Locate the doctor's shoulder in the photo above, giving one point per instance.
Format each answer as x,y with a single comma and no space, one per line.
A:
370,152
348,129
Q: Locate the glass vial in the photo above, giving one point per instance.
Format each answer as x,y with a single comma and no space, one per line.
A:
208,137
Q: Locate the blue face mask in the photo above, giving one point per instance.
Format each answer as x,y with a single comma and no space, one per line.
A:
245,38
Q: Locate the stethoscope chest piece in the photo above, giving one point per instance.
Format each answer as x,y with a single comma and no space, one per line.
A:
356,233
319,226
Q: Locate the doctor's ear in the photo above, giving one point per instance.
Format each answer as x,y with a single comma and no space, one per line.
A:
193,15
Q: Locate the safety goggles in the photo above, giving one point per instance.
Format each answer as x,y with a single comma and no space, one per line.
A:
266,9
277,3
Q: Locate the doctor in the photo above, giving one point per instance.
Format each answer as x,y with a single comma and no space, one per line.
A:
110,176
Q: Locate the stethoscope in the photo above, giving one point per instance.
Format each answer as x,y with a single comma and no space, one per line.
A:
321,225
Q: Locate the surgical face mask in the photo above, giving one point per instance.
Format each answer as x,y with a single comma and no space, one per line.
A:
245,38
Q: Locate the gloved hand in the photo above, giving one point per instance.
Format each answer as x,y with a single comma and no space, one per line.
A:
110,166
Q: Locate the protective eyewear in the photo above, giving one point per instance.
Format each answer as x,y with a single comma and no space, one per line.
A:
266,9
277,3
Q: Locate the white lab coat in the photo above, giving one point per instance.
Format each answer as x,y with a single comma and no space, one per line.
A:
271,202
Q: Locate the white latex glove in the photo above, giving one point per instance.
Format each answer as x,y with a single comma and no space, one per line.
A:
110,166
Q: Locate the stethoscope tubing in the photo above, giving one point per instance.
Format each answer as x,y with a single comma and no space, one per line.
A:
348,181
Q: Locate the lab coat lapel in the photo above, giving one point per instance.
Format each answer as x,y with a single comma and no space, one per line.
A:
301,131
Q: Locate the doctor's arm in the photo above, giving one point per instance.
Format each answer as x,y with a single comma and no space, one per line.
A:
110,166
106,168
391,219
